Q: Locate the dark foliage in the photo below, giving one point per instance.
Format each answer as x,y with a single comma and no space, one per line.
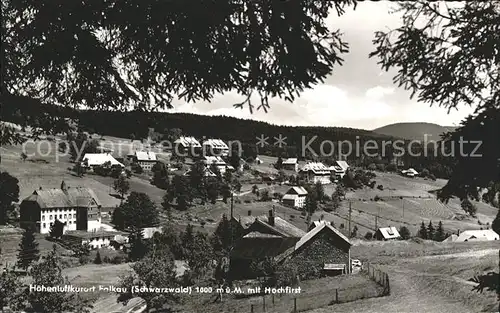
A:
9,193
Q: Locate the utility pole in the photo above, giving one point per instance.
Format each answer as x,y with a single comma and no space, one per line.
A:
350,210
232,203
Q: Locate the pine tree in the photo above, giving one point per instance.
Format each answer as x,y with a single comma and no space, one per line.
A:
430,231
97,259
138,248
439,235
311,204
422,233
28,249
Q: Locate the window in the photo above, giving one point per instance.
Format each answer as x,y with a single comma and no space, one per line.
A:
60,216
43,225
65,216
51,217
74,215
51,224
43,217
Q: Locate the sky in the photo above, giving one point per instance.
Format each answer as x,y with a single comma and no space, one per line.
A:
358,94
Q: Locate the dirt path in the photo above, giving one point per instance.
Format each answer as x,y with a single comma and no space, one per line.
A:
406,297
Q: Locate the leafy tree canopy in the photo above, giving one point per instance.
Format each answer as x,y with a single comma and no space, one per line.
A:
447,55
116,54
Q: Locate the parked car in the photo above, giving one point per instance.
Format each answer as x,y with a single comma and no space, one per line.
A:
356,263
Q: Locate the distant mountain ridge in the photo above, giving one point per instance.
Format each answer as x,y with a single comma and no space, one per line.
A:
415,131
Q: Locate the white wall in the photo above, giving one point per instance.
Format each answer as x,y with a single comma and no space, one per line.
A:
48,217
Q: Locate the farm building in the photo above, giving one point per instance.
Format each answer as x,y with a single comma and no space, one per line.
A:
77,207
258,160
208,173
315,172
323,251
295,197
409,172
267,236
92,160
290,164
474,235
95,239
216,161
145,159
215,147
187,146
387,233
315,224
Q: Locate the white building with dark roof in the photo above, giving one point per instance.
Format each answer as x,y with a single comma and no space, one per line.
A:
188,142
295,197
145,159
291,164
315,172
77,207
474,235
215,147
216,161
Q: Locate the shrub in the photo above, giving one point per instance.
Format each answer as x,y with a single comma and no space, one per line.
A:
380,187
248,201
368,235
404,232
377,198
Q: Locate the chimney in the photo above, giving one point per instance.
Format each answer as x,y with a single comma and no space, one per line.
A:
458,232
40,188
249,212
271,218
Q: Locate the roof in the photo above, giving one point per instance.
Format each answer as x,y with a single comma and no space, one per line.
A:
477,235
410,171
256,234
209,160
290,161
215,143
246,221
389,232
316,230
145,156
316,168
148,232
259,247
87,235
296,190
94,159
281,226
188,142
290,197
57,198
208,173
336,169
451,238
343,165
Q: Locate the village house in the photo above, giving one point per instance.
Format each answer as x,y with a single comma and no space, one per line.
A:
216,161
474,235
266,236
215,147
387,233
290,164
77,207
95,239
315,172
208,173
339,169
295,197
93,160
323,251
409,172
145,159
187,146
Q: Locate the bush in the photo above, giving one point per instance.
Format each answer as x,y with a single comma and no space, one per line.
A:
381,167
404,232
118,259
247,201
380,187
432,177
391,167
369,236
377,198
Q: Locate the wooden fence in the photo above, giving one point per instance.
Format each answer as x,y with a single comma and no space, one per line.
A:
378,276
289,303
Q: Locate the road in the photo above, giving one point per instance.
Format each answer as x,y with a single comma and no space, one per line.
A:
408,295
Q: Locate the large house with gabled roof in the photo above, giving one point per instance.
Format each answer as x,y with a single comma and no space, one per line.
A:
316,172
77,207
265,236
295,197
